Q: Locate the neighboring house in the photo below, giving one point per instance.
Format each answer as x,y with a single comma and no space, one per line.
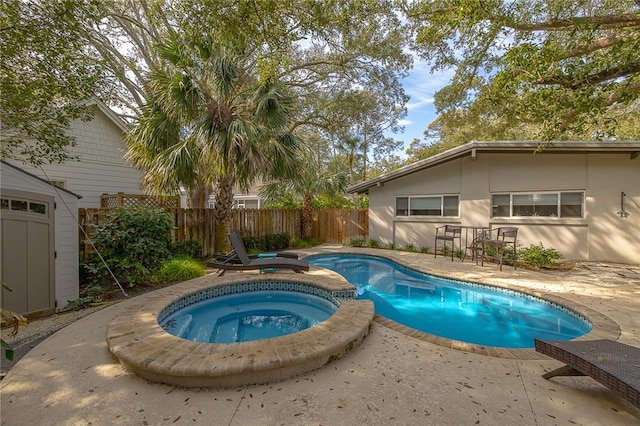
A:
39,243
100,167
580,198
40,247
249,199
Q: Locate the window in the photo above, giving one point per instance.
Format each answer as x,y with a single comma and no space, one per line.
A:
572,204
23,206
545,204
37,208
440,205
19,205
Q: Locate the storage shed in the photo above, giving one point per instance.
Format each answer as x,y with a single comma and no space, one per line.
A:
39,243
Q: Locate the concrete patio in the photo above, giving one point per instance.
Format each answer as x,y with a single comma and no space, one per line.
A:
390,379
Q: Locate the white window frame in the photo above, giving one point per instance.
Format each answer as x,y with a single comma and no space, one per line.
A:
557,215
409,197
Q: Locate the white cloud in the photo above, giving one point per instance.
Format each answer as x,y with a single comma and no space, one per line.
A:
419,103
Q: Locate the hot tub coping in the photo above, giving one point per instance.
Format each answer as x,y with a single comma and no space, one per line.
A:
144,347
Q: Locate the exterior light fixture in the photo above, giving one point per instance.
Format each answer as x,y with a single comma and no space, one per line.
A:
622,213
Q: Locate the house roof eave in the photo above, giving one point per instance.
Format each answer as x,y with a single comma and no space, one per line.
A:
473,147
111,114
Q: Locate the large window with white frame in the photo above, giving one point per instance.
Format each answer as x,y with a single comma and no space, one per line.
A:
431,205
545,204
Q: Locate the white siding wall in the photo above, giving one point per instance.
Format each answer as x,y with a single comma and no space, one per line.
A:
65,229
100,167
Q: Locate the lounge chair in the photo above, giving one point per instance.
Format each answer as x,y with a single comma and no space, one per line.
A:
249,264
233,257
614,364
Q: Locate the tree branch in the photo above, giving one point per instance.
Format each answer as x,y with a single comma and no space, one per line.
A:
602,22
602,76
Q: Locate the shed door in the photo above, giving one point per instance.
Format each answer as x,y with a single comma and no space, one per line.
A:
27,252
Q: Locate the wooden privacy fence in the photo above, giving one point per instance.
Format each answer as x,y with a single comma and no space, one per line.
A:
329,226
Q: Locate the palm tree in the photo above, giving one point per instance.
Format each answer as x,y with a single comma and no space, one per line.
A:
309,182
212,123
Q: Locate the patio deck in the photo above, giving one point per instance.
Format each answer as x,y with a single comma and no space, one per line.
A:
390,379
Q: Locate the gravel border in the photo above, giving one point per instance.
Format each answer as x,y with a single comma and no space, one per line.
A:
36,331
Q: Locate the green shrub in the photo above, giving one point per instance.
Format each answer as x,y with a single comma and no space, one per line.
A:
310,242
409,247
133,242
358,242
269,242
181,268
277,241
191,248
373,243
425,249
539,257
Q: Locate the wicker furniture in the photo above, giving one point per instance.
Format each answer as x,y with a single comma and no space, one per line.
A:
248,264
234,258
614,364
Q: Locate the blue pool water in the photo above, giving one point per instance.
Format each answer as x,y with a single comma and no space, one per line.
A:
452,309
248,316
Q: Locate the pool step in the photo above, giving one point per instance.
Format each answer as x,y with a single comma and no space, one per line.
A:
179,325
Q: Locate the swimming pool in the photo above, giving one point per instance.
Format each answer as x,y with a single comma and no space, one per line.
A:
248,316
464,311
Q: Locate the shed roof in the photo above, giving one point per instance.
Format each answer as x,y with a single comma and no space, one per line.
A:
5,164
472,149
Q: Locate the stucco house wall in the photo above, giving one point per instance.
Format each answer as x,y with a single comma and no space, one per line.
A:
100,167
65,228
478,170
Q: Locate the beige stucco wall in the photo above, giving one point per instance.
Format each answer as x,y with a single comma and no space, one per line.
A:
600,236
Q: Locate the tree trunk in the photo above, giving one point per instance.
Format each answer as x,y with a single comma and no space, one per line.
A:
198,197
222,213
306,218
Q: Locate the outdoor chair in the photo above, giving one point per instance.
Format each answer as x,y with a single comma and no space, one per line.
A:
249,264
505,238
232,256
611,363
447,233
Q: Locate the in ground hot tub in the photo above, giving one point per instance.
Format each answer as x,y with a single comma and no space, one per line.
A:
137,339
251,315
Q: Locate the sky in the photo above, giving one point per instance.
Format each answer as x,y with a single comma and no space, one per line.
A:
421,86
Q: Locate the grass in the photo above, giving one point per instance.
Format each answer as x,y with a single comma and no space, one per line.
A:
181,268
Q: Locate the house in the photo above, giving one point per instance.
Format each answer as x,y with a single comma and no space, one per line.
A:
39,243
40,212
580,198
243,199
100,166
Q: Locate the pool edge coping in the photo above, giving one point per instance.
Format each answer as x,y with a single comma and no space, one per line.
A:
603,327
